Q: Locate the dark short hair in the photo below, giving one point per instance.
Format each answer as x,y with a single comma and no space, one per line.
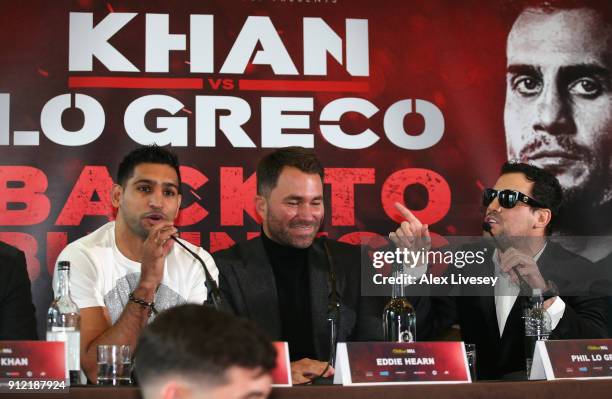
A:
546,188
201,344
271,166
146,154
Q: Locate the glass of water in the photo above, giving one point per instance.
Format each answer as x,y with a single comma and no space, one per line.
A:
114,365
470,354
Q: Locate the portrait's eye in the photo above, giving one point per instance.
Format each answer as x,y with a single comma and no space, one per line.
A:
169,193
144,189
586,87
526,85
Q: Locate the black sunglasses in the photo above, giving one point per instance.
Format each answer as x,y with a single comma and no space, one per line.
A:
508,198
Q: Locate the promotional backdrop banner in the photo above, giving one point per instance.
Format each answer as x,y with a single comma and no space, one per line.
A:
402,102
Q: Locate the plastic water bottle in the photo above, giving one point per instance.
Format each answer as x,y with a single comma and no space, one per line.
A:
537,326
63,324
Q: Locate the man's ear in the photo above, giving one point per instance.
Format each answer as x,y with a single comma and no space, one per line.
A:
174,390
543,218
261,206
116,194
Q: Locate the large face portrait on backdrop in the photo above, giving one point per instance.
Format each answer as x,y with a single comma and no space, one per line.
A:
558,109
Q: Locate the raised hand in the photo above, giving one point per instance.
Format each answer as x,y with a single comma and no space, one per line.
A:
513,261
411,233
155,249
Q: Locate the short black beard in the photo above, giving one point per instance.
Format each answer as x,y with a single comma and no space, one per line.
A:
280,238
137,228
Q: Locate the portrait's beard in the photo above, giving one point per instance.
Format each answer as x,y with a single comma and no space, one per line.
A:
561,156
587,210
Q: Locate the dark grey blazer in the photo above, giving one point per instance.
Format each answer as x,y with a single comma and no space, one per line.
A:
584,317
247,283
17,319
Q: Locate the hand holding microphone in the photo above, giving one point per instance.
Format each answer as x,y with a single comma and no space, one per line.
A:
522,268
155,249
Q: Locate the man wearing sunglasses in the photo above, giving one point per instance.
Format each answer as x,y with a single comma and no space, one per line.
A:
520,209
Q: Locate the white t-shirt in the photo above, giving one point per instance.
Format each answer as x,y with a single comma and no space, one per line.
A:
100,275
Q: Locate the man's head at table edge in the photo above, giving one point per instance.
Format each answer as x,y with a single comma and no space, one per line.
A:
193,351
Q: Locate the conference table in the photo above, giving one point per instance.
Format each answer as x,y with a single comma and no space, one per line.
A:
491,389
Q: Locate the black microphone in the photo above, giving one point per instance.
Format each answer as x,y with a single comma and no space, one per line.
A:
486,226
524,287
333,317
214,294
333,307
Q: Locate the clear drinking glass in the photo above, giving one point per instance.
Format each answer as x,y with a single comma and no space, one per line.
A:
114,365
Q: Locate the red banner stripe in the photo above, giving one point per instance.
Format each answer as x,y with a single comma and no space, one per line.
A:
303,85
135,83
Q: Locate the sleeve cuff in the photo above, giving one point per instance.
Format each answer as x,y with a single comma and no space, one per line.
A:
555,311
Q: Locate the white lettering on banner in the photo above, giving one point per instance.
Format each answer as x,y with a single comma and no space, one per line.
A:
320,40
201,44
394,125
93,120
5,112
259,30
20,137
159,42
174,128
212,116
273,121
357,47
230,125
334,133
284,121
87,41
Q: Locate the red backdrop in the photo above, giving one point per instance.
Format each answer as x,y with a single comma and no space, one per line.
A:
397,68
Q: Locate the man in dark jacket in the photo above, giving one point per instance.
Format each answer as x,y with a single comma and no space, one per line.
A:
290,282
519,211
17,319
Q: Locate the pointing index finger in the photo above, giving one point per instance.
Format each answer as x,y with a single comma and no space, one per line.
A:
405,212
